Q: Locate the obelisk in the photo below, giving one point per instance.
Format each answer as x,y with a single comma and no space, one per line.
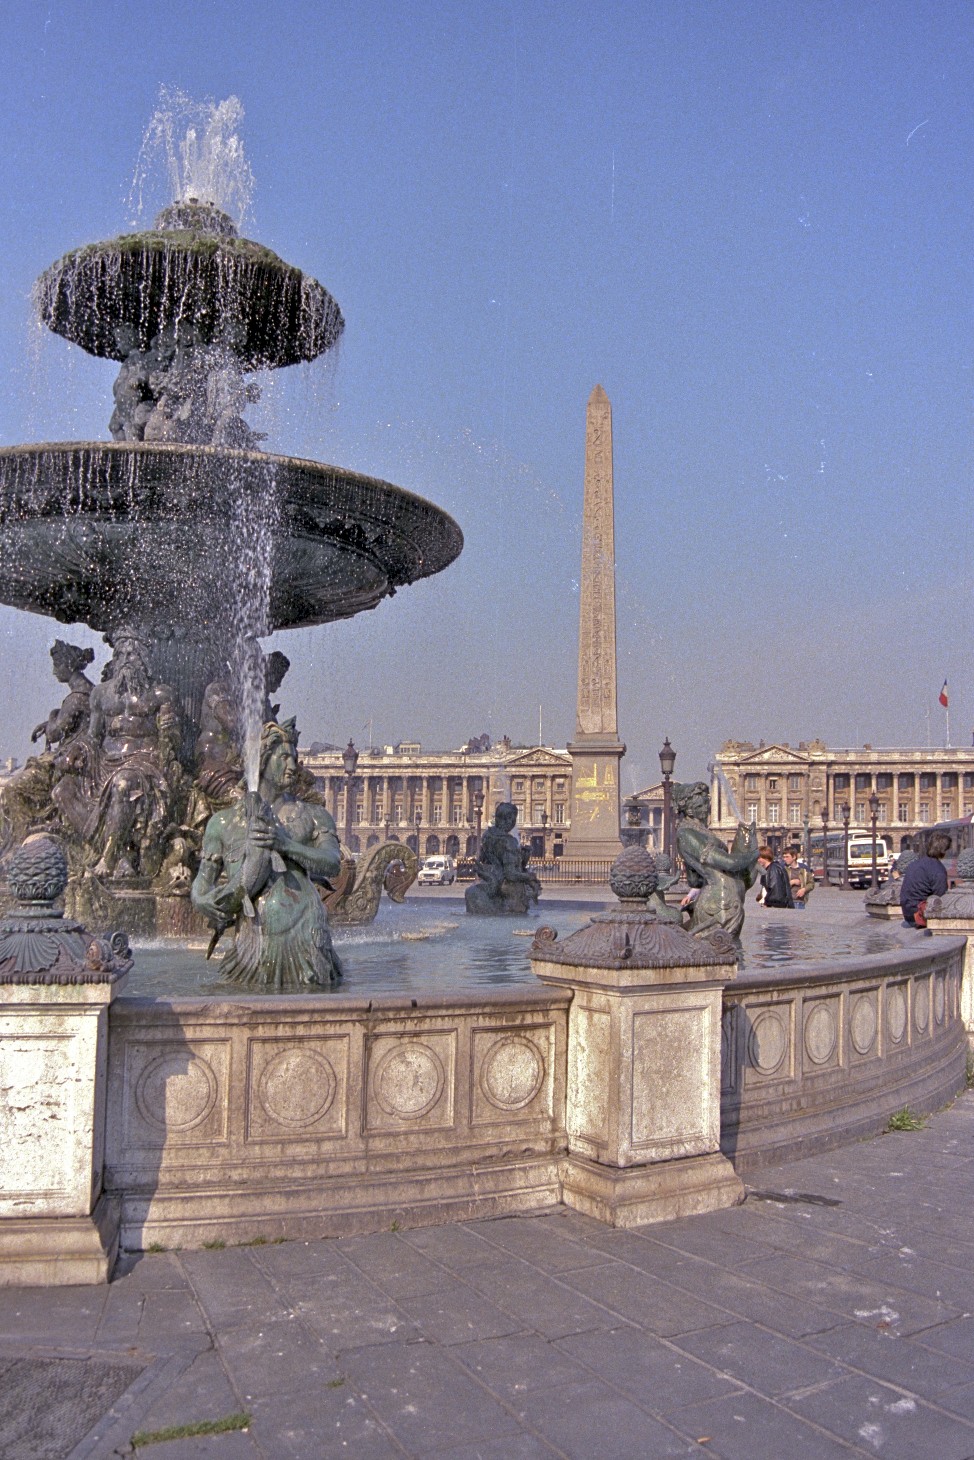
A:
596,750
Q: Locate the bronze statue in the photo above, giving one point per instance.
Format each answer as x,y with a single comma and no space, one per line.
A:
722,876
31,796
506,888
134,727
261,859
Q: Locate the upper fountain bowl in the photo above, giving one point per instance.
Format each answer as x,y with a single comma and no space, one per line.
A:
190,273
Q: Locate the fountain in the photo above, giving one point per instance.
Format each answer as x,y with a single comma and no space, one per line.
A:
181,540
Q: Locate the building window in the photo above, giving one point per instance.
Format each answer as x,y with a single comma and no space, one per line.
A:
795,813
861,812
946,810
539,785
519,808
863,782
794,783
948,781
969,780
752,811
841,783
457,814
903,811
774,812
560,784
518,785
772,783
882,814
359,812
968,809
884,782
904,781
928,781
751,783
924,816
559,813
437,815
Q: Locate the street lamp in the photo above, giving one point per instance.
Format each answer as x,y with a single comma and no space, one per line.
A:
846,813
825,845
544,835
349,761
418,818
667,760
874,817
806,841
478,811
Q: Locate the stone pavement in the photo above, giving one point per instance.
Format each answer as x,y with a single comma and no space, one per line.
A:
831,1315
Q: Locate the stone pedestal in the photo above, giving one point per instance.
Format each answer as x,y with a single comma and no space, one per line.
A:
56,983
643,1103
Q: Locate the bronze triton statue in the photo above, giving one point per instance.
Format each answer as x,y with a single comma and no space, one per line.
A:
721,876
260,861
505,888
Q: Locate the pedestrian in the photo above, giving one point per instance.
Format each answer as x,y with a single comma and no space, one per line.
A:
775,885
926,877
800,876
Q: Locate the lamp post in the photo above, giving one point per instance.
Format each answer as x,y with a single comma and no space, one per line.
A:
846,813
544,835
478,811
825,846
349,761
874,817
667,760
418,819
806,841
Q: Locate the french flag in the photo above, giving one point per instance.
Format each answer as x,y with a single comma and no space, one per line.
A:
943,695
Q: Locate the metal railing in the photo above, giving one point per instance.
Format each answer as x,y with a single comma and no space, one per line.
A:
591,870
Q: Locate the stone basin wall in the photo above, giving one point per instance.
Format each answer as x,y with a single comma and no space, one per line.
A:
247,1117
230,1119
814,1058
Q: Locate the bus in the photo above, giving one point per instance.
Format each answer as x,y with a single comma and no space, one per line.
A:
828,859
961,833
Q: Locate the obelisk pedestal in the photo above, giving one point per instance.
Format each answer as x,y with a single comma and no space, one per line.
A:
596,750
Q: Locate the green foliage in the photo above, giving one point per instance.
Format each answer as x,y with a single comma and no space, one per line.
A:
905,1120
187,1432
217,1245
155,1247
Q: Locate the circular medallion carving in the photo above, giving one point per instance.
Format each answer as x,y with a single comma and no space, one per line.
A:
921,1004
767,1042
862,1025
297,1087
939,998
512,1073
408,1081
820,1034
896,1013
173,1095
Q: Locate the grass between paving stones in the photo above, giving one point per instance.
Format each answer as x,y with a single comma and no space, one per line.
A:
905,1120
190,1432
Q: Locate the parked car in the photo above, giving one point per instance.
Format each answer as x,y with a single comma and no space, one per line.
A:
438,870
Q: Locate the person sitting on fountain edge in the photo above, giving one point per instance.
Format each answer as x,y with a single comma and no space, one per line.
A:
926,877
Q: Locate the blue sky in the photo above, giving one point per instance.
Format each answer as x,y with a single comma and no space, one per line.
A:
751,223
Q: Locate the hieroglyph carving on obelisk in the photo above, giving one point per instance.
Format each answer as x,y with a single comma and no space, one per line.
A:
596,750
597,613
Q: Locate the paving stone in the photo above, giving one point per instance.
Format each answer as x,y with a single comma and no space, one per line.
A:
121,1316
548,1306
61,1314
458,1314
323,1423
886,1420
202,1391
648,1371
509,1447
591,1419
767,1362
745,1427
537,1241
349,1315
855,1297
147,1271
424,1398
236,1445
397,1268
711,1243
903,1361
645,1300
171,1318
514,1365
229,1287
955,1338
278,1357
454,1246
290,1260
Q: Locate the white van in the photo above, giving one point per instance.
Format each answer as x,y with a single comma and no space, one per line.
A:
438,870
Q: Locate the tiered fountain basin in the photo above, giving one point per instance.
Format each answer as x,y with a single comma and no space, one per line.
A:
233,1118
115,532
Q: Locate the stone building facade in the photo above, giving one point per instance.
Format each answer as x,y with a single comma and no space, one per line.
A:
428,799
778,786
